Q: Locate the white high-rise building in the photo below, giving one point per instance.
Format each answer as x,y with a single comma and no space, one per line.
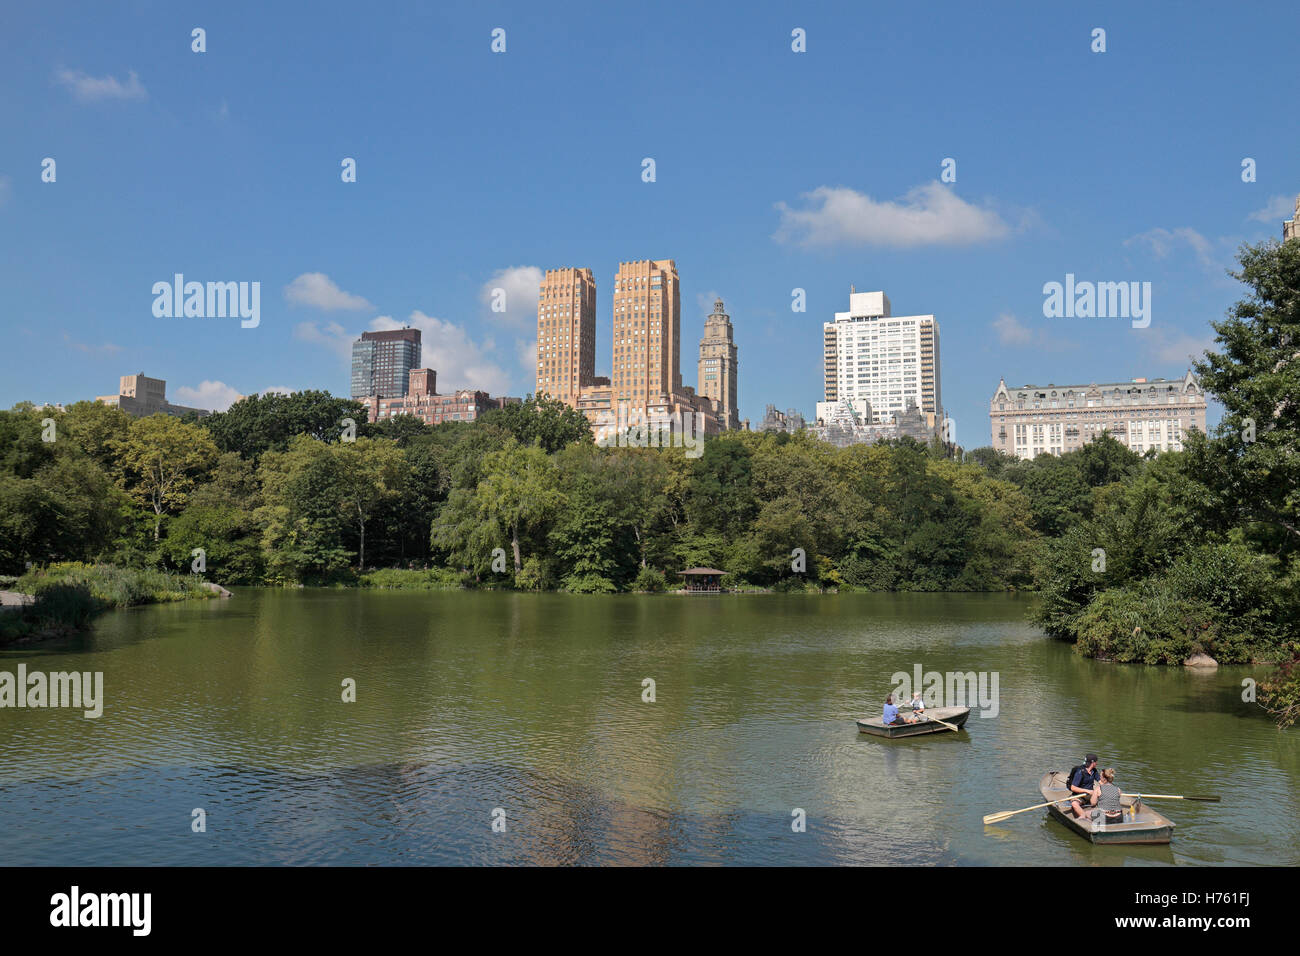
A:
887,362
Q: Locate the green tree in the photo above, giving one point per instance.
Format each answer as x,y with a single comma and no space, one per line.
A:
1253,464
301,514
261,423
519,492
159,461
371,471
542,421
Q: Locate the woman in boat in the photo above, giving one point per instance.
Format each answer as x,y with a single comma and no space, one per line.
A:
1109,807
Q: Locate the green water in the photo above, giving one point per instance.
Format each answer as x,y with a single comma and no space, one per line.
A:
532,704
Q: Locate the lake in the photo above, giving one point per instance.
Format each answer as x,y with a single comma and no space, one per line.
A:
528,709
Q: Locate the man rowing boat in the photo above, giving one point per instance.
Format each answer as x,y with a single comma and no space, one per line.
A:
1084,783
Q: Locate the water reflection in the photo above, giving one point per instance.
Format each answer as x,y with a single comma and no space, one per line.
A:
532,703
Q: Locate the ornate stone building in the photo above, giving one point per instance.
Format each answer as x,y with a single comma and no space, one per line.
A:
791,420
846,422
718,367
1054,419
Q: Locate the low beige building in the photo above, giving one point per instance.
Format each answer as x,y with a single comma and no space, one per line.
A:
1054,419
140,396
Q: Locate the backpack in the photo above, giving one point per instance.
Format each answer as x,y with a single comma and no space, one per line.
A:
1069,778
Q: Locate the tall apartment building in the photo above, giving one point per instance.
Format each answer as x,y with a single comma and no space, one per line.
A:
382,362
566,334
141,396
647,332
718,367
1291,227
887,363
1055,419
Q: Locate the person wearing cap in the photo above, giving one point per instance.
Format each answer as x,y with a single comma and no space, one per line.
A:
1086,784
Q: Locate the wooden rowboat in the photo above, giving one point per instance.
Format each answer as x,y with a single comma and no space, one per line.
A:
1147,826
878,727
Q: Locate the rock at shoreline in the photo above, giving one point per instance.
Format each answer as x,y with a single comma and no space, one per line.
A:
1200,660
220,591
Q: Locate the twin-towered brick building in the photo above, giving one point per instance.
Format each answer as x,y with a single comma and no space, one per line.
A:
645,378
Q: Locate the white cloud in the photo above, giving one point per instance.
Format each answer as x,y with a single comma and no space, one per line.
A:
526,352
216,396
520,284
446,347
89,89
1013,333
704,301
318,290
108,348
329,334
1162,242
929,214
1276,209
1176,349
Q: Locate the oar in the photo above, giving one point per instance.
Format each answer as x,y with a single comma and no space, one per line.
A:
1003,814
953,727
1170,796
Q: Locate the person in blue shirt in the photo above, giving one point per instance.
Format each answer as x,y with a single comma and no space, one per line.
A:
891,711
1085,785
891,715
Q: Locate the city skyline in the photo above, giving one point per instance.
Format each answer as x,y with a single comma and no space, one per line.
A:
759,189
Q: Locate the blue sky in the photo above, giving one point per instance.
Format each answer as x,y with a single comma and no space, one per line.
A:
775,170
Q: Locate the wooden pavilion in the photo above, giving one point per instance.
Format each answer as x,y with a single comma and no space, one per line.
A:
703,580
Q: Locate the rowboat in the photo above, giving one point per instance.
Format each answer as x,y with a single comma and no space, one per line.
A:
1146,826
878,727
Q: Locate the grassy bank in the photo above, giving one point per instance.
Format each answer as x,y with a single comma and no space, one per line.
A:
431,579
69,595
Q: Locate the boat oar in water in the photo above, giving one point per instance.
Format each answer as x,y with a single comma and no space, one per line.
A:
1003,814
1169,796
953,727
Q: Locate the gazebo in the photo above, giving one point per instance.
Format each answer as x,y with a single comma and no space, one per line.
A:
703,580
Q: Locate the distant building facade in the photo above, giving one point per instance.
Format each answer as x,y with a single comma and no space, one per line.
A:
1291,227
718,367
422,401
889,361
645,383
791,420
1055,419
566,334
382,362
139,395
845,423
